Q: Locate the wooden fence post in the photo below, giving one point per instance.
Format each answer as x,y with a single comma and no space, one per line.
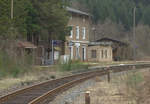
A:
87,97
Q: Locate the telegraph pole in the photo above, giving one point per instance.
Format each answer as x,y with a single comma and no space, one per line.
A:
134,43
52,52
12,9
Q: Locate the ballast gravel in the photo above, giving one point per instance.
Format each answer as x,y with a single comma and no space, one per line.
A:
70,96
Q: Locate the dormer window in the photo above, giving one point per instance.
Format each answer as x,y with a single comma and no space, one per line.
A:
83,32
77,32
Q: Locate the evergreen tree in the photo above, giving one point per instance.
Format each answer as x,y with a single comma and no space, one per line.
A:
119,11
32,17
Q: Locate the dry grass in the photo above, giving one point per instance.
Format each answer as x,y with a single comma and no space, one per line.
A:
8,82
37,75
123,89
116,63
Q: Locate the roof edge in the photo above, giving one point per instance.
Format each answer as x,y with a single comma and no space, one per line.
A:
77,11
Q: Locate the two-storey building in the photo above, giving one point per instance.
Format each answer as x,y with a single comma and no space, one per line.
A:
76,45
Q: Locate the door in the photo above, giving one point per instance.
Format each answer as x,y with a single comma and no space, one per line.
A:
71,52
77,52
84,53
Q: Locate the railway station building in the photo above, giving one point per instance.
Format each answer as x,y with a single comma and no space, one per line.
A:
99,52
108,49
76,45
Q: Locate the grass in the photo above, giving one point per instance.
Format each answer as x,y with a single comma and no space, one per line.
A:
134,79
15,81
15,72
127,88
114,63
36,75
72,65
14,66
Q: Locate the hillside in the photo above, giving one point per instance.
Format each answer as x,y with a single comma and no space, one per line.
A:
114,19
119,11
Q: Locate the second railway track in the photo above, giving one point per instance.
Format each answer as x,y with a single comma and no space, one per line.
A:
44,92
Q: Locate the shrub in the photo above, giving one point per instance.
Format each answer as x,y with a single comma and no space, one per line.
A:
72,65
134,79
10,66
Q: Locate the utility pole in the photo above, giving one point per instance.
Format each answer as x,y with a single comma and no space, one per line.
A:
134,32
12,9
52,52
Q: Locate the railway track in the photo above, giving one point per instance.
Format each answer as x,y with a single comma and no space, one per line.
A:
45,92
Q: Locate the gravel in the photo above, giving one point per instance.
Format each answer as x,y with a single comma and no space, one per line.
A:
70,95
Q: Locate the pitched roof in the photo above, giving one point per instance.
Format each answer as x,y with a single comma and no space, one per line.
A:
99,44
111,40
77,11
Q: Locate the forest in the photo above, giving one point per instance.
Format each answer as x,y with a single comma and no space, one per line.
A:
46,19
114,19
33,17
119,11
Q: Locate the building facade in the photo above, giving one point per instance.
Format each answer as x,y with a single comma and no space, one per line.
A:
100,52
107,49
120,50
76,45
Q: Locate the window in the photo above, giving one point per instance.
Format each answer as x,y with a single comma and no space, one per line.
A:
71,31
83,32
84,53
110,52
77,53
102,53
77,32
106,55
93,54
71,52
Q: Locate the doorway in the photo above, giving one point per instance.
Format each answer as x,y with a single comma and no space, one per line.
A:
83,53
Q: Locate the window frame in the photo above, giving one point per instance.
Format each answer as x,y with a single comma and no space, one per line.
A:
93,53
102,54
77,32
83,32
77,52
106,54
71,52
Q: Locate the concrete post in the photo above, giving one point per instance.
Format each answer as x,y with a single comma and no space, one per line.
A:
87,97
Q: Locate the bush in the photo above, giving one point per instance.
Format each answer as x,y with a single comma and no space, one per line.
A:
134,80
13,66
72,65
